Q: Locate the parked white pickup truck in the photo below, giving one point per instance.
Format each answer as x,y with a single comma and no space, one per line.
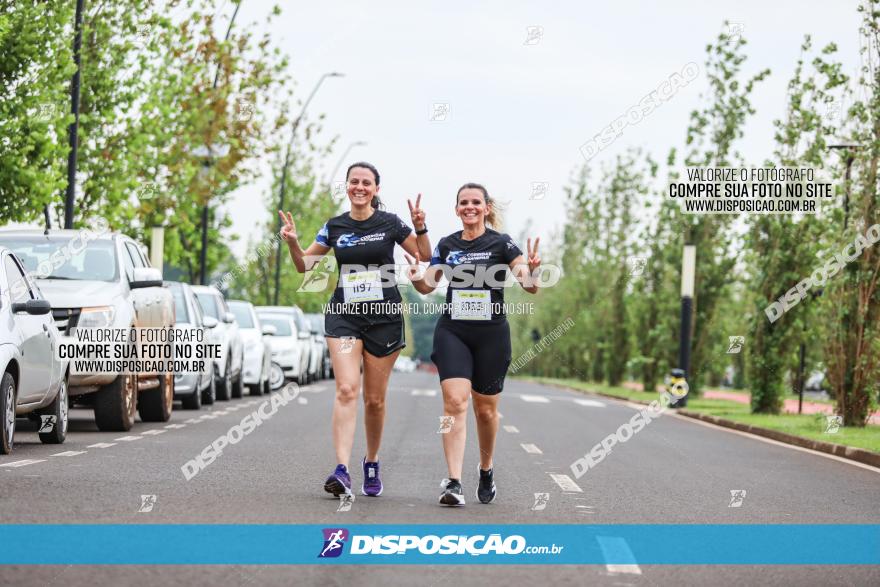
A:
103,280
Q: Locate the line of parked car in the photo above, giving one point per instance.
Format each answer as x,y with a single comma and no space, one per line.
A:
54,281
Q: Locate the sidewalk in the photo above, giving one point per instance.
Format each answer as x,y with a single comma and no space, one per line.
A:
789,406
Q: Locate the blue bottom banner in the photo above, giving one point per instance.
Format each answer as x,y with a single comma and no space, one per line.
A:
544,544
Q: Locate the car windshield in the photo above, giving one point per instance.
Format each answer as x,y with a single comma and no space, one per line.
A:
281,324
54,257
209,305
181,316
242,314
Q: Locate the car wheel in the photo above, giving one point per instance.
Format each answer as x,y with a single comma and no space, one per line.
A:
224,386
238,387
255,389
115,404
276,376
194,400
154,405
210,394
7,412
58,409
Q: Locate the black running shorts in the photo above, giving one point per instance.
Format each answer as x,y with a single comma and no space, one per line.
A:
381,337
478,353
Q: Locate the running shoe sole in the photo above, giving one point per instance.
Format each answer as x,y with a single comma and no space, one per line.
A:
451,499
336,487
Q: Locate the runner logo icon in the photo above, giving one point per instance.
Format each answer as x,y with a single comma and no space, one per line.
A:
334,541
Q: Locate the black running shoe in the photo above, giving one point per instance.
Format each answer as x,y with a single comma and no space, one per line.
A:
486,489
452,494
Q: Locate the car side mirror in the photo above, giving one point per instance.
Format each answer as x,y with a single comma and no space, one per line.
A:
304,335
33,307
229,317
269,330
210,322
145,277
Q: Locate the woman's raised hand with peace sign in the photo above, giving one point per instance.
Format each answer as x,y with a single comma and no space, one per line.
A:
288,228
416,212
534,259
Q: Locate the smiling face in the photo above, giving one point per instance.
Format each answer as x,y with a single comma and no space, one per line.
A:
361,186
472,208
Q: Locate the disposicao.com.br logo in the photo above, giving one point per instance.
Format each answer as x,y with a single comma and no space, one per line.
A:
430,544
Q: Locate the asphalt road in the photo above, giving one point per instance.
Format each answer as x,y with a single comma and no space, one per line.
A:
675,471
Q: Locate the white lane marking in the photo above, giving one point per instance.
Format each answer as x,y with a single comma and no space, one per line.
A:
511,429
777,443
424,392
538,399
590,403
531,449
208,417
301,400
102,445
220,413
615,548
153,432
565,482
24,463
128,438
69,453
192,421
175,426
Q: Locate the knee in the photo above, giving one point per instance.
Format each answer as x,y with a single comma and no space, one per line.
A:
374,403
486,415
346,393
454,405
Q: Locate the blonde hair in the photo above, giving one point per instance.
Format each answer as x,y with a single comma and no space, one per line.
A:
493,218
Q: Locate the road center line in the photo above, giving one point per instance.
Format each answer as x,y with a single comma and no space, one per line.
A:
511,429
565,482
532,449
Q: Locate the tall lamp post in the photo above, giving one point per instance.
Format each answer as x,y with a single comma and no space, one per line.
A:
688,277
73,129
342,158
283,182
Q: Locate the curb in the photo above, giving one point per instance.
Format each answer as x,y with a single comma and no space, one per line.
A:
861,455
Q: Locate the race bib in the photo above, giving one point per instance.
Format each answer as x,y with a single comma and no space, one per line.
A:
471,304
363,286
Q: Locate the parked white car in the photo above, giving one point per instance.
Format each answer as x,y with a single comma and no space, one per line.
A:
257,348
191,388
287,347
303,335
228,367
102,280
33,381
316,321
404,364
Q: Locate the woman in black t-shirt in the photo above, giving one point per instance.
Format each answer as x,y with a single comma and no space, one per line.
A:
364,320
472,337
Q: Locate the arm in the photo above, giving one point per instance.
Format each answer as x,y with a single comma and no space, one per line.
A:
303,260
424,281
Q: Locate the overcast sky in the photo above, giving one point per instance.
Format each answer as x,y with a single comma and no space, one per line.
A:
519,111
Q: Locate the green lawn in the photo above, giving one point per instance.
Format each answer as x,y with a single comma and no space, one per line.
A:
806,425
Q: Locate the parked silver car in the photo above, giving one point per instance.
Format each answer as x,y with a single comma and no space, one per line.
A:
32,380
287,348
316,321
191,388
102,280
228,368
303,347
257,349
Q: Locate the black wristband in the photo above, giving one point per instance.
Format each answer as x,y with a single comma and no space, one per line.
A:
422,231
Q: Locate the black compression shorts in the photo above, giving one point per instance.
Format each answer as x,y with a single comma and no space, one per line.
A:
478,353
381,337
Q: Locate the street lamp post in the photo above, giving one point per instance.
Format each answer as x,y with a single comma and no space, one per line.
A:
688,277
283,181
73,129
342,158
